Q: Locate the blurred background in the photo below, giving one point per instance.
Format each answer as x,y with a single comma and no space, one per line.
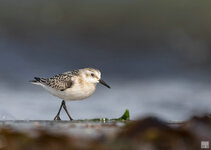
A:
154,54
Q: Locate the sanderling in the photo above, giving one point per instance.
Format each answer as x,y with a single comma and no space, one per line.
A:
72,85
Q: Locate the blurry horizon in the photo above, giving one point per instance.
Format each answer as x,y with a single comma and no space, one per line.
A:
155,55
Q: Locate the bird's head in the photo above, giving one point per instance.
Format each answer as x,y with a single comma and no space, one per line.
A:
91,75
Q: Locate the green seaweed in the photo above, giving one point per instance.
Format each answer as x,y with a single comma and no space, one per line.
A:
124,117
99,119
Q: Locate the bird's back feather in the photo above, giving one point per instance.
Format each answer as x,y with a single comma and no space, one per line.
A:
59,82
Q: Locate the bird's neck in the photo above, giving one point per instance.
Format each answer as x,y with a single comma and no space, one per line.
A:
85,84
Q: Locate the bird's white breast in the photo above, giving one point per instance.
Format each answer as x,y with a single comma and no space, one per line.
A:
76,92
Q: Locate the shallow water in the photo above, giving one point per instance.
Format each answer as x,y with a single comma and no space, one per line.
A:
173,99
82,129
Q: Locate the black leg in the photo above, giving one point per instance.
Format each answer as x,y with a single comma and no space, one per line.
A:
65,108
57,116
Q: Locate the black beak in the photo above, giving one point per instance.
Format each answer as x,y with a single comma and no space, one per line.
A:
103,83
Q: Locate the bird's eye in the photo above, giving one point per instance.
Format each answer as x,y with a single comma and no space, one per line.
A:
92,74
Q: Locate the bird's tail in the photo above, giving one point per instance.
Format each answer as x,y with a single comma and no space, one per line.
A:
38,80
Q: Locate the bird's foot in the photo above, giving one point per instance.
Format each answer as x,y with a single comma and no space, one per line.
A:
57,118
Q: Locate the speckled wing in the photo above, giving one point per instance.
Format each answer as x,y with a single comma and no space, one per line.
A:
62,81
